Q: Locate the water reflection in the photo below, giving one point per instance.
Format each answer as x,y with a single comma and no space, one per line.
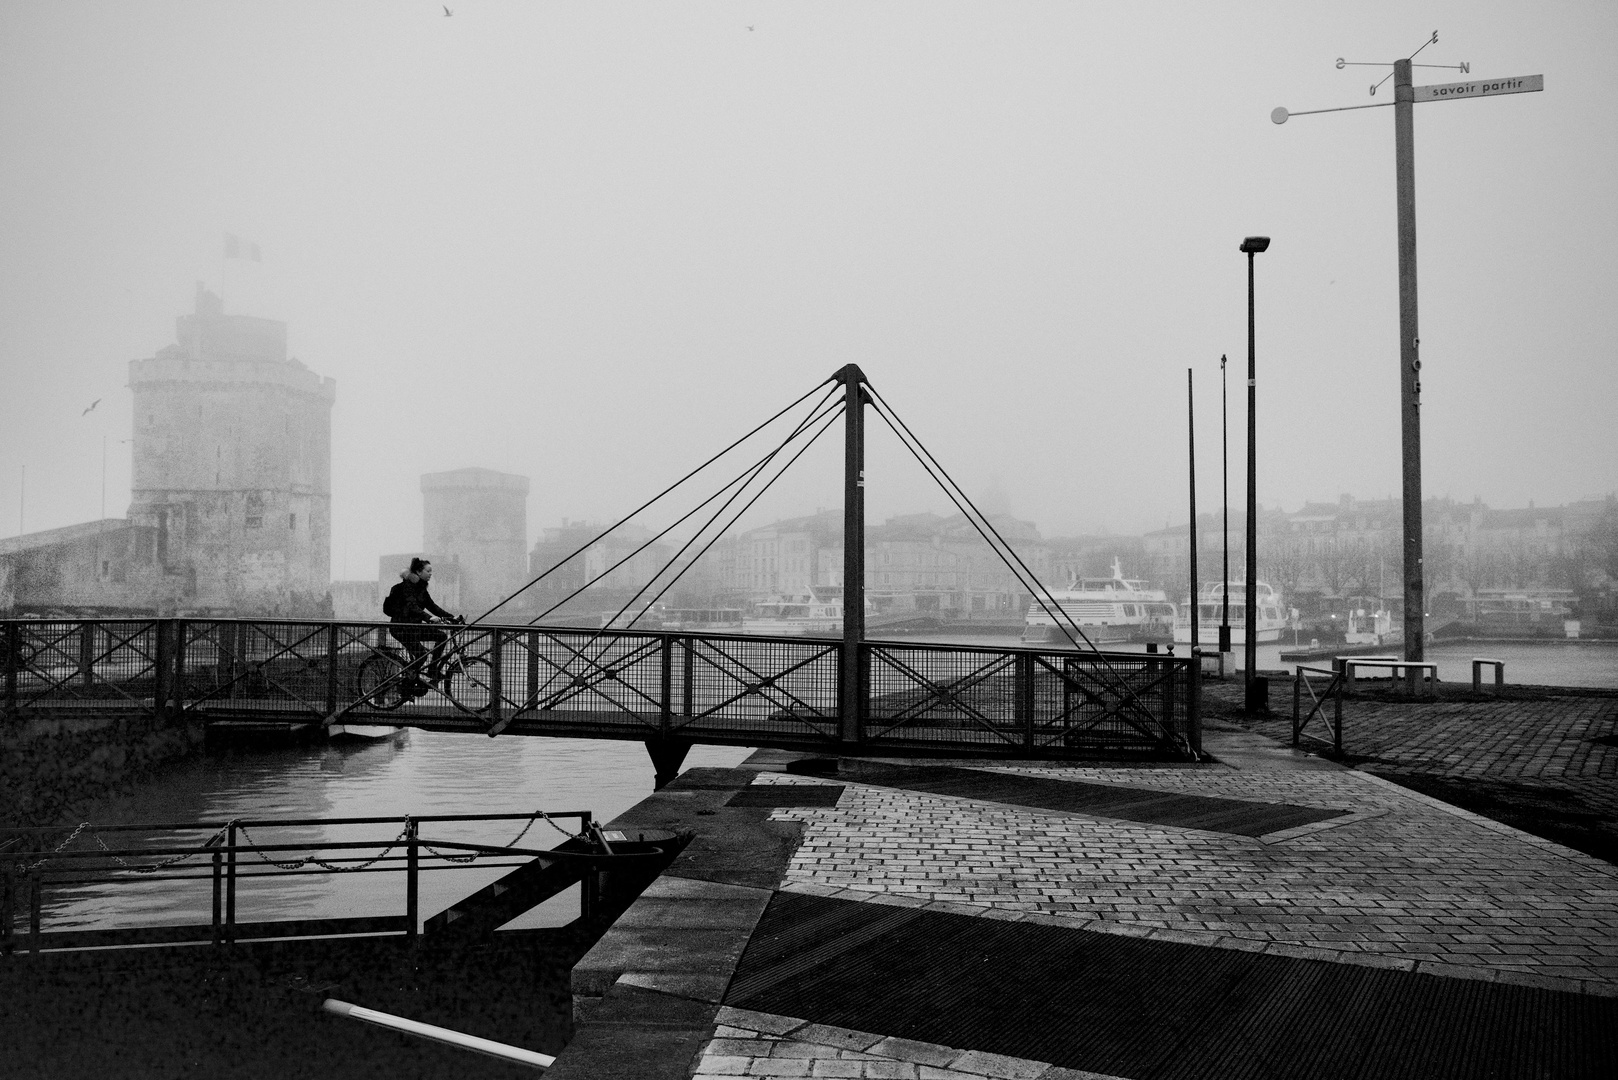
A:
417,773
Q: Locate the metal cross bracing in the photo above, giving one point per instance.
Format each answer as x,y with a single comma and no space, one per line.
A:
639,685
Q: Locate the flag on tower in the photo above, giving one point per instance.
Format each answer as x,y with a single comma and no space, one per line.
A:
237,248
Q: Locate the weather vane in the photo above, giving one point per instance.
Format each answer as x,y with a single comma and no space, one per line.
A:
1405,95
1522,84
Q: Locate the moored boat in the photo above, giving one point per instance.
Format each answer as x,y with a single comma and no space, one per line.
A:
806,613
1105,609
1210,611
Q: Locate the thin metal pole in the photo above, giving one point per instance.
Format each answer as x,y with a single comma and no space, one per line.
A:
1224,457
1251,590
1191,464
852,701
1404,96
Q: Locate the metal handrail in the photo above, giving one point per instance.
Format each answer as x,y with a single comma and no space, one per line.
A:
31,867
669,683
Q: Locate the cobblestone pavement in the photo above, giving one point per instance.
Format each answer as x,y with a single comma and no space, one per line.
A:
1501,740
1404,882
1536,763
751,1043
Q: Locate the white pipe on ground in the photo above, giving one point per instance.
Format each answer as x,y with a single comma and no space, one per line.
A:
444,1035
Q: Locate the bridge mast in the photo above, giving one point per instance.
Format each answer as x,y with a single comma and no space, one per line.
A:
852,695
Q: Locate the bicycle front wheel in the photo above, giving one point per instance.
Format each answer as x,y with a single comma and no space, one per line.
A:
471,684
379,685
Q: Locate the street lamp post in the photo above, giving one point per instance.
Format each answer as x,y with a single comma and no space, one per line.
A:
1224,488
1256,701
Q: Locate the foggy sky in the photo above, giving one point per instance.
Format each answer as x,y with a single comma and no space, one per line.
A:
590,243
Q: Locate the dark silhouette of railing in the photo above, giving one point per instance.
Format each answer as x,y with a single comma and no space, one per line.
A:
586,682
57,863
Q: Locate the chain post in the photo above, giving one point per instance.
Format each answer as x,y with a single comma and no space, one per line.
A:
218,896
412,869
230,885
590,884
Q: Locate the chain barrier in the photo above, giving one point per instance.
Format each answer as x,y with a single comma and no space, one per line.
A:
149,868
323,864
404,834
74,835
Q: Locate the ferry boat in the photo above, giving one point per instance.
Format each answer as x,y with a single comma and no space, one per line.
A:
1107,610
804,613
1272,616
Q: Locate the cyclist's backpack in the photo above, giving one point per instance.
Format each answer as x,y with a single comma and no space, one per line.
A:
391,606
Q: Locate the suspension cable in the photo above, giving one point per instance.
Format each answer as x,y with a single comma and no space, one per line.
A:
746,477
655,498
884,411
737,516
1024,575
582,653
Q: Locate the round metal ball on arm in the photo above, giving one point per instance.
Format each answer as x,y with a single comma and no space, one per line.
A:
1257,700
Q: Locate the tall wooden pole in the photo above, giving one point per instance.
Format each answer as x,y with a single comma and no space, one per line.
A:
1404,100
852,694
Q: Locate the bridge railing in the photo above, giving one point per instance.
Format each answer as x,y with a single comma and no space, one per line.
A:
627,684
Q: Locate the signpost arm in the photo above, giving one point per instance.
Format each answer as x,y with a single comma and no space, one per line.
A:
1404,95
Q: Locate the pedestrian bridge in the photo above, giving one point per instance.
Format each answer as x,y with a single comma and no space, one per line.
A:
668,689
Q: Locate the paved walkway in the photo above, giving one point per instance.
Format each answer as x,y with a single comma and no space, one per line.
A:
1399,881
1403,881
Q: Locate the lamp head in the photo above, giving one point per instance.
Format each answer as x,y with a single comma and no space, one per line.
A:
1255,243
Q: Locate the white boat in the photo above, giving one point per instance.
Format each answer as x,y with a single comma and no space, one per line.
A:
1372,628
1105,609
1272,615
800,614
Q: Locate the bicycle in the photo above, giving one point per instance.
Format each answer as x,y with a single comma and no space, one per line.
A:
384,679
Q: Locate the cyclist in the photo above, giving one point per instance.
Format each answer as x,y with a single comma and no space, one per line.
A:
409,603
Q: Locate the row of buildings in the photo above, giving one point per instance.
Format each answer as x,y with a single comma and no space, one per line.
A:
1473,555
231,514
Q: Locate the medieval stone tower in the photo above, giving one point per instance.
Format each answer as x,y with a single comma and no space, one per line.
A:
232,466
478,520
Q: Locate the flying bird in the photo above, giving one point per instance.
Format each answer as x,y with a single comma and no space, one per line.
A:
447,11
93,404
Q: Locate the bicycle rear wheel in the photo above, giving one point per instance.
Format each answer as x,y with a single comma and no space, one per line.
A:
379,684
471,684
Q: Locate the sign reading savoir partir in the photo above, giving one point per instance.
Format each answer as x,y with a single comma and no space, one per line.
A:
1517,84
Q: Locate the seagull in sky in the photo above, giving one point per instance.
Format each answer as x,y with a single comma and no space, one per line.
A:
93,404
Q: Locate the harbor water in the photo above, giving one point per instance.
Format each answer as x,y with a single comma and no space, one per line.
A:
416,773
